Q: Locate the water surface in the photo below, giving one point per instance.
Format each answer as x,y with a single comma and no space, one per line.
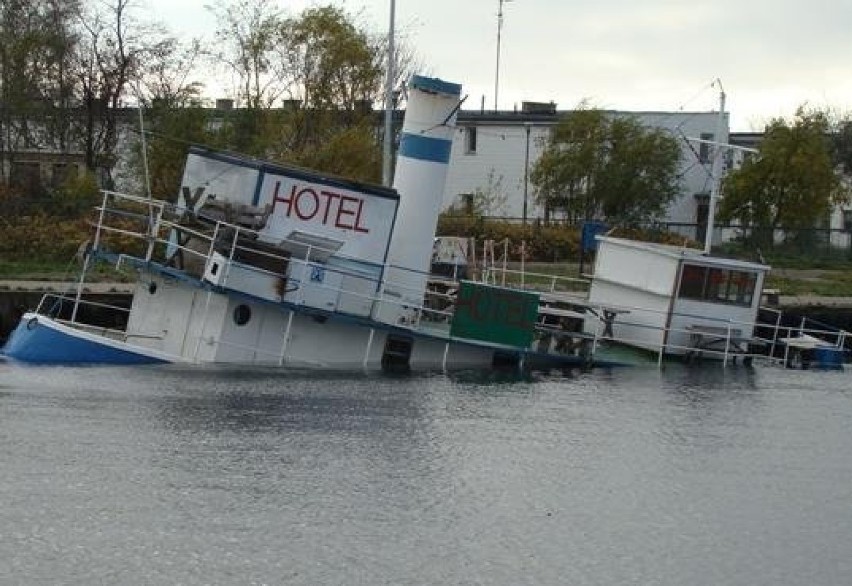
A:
213,476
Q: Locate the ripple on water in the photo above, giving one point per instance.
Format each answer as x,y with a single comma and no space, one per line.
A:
200,476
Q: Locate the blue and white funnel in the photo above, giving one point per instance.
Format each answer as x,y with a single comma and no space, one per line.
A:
421,173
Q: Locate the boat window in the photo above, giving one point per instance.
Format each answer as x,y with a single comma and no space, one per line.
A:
242,314
742,286
692,281
717,285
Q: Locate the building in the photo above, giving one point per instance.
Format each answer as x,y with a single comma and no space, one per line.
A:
492,152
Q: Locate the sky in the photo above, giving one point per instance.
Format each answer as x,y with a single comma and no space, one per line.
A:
769,56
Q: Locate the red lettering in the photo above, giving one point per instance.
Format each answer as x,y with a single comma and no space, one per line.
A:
276,198
343,211
330,196
358,226
298,202
329,208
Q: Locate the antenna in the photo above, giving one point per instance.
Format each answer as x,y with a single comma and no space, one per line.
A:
499,30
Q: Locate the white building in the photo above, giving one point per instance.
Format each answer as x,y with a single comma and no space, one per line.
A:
490,155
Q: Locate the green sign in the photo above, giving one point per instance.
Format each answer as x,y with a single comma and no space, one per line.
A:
495,314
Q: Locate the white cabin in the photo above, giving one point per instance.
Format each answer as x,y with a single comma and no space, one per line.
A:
676,300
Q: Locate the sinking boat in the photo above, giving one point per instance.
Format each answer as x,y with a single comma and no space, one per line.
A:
264,264
258,263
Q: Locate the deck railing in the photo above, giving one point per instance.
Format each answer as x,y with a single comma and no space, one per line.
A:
168,235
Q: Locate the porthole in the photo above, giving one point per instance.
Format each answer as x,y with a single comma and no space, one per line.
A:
242,314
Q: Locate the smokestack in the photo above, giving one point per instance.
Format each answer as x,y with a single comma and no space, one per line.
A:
421,173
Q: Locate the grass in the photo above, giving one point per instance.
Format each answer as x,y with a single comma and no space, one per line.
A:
50,270
828,283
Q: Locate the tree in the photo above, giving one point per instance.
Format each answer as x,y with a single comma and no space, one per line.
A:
329,62
35,38
246,36
792,184
597,165
109,61
334,69
174,117
841,145
329,71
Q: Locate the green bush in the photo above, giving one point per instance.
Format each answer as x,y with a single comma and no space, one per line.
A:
39,237
76,196
543,242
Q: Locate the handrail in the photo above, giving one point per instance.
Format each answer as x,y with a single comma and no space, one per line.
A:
487,271
231,240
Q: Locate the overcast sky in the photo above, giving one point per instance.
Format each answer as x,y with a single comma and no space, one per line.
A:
770,55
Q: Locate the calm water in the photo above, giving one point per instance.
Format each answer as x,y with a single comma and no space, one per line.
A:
161,476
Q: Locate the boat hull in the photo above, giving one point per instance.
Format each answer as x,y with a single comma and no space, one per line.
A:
41,340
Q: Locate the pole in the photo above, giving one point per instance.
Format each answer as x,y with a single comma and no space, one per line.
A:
389,81
499,29
527,126
144,151
716,172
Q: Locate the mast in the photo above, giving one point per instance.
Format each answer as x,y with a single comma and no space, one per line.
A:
716,171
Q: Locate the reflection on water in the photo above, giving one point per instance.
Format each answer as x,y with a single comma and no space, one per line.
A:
196,476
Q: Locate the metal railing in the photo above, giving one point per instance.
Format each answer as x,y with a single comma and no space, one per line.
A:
166,233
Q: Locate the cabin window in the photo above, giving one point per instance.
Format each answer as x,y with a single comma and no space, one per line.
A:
692,281
741,286
717,285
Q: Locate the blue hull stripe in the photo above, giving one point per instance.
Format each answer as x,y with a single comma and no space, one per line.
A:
35,342
425,148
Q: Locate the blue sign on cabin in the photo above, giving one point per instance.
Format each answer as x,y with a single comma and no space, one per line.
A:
587,238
